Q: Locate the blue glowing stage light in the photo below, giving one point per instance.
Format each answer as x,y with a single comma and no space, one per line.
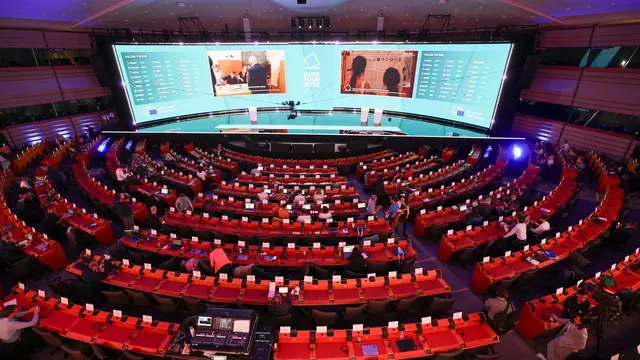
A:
129,144
516,151
103,145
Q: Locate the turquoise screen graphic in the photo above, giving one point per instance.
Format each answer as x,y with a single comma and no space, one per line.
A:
458,82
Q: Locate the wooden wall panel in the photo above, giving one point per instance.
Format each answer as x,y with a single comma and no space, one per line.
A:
537,128
615,146
22,39
25,134
67,40
616,35
614,90
554,84
572,37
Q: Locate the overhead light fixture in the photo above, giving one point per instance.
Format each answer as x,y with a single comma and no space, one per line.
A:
623,62
181,4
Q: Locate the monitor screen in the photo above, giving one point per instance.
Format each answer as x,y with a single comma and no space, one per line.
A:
458,82
223,323
205,321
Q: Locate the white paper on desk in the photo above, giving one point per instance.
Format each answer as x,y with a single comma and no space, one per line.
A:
11,302
241,326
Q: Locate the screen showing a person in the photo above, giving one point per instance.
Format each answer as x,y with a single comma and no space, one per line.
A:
457,82
373,72
247,72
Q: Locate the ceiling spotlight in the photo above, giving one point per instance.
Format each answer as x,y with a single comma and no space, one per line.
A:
181,4
327,21
623,62
319,23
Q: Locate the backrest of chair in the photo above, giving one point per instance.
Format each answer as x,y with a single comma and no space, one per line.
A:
116,299
354,313
324,318
406,304
137,298
48,337
442,305
378,307
450,355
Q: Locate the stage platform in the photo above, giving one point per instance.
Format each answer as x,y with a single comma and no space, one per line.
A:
333,123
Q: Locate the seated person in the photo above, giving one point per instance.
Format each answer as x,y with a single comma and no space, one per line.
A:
154,221
485,208
219,261
512,205
231,79
357,262
183,203
576,305
190,265
280,305
624,231
281,213
122,174
304,216
475,219
300,198
262,196
580,164
318,196
325,213
519,230
498,310
540,227
11,328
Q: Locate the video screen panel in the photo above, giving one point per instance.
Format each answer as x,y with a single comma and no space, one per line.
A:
459,82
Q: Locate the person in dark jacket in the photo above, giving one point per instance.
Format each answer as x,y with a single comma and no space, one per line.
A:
154,221
357,262
123,209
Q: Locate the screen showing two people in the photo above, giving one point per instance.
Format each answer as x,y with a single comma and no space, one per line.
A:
458,82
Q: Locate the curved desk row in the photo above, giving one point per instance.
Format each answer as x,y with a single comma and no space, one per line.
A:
534,258
262,209
238,156
535,315
480,235
461,332
103,328
313,292
267,254
431,197
268,228
451,214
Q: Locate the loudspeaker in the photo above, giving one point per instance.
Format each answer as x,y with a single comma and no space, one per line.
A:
529,70
302,2
101,72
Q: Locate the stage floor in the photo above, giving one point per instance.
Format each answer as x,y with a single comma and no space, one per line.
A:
309,124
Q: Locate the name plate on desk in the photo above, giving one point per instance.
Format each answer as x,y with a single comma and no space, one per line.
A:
358,327
457,315
88,306
222,276
64,300
117,313
321,329
147,319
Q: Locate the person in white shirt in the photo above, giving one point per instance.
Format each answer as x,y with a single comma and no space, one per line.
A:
300,199
255,171
572,338
304,217
262,196
10,328
218,74
520,230
202,174
550,160
318,196
4,163
325,213
122,174
565,146
542,227
24,184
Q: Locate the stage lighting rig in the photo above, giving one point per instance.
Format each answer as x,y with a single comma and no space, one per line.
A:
311,22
